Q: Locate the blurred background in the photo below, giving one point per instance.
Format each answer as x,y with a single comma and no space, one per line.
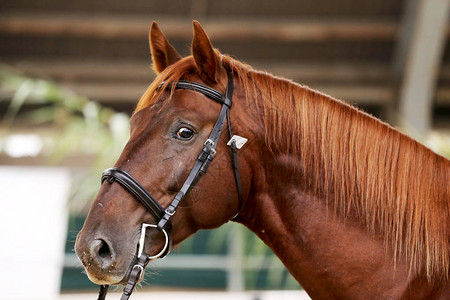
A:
71,73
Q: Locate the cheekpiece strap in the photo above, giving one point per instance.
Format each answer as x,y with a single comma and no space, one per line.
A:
209,148
135,275
103,291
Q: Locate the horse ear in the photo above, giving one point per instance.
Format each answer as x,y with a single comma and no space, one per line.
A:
204,55
163,53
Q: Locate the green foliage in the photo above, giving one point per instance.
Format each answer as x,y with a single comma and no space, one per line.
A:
82,127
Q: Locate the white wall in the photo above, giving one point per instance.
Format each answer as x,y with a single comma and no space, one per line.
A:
33,216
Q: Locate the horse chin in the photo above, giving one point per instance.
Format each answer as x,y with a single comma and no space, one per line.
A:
116,278
110,277
106,280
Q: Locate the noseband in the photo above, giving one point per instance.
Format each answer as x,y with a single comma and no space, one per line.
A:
163,216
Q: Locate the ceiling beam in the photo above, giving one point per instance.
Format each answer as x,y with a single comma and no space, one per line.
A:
125,27
422,62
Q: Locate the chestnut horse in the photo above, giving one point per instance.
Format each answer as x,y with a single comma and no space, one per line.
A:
352,207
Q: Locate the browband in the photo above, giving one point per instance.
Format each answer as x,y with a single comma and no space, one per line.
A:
202,89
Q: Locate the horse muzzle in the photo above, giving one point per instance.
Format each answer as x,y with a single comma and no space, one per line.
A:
101,260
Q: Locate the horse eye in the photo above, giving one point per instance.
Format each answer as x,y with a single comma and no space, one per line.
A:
185,134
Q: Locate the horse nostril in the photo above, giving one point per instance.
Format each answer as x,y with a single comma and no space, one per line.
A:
104,251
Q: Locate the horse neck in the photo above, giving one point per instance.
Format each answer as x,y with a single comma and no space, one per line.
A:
319,249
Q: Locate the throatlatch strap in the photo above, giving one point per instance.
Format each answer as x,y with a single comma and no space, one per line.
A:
237,176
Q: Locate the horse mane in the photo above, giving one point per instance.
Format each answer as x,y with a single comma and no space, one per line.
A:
391,183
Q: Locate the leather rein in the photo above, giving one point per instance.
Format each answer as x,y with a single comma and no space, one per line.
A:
163,216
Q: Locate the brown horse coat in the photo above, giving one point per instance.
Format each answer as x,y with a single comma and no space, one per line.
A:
352,207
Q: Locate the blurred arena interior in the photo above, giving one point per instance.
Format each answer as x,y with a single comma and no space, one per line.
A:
390,58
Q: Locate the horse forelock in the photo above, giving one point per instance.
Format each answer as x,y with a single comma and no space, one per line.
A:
392,183
172,74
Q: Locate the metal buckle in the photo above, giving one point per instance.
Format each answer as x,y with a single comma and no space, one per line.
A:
139,267
211,144
170,212
208,141
142,240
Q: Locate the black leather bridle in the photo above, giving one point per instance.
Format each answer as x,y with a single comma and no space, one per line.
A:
163,216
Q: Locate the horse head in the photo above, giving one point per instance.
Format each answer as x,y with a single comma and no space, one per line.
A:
167,134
